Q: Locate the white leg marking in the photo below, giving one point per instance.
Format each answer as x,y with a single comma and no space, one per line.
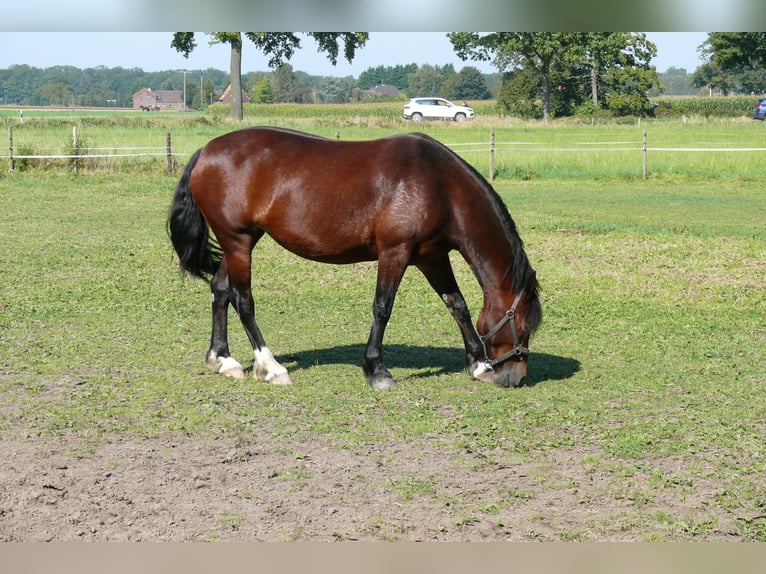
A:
266,368
211,361
230,367
480,370
227,366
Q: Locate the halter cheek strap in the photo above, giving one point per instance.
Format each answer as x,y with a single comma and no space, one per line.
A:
518,349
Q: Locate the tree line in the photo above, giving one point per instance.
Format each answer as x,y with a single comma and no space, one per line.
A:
98,87
539,74
286,85
114,87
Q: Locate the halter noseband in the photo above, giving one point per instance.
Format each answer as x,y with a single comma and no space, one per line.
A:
518,349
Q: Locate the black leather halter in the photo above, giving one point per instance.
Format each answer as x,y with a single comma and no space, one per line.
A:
518,349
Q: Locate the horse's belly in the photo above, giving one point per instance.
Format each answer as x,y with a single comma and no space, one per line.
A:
337,246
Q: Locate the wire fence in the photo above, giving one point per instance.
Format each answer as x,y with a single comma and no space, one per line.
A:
78,154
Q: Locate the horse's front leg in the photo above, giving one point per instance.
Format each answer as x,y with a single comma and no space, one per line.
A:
474,354
390,274
218,356
441,277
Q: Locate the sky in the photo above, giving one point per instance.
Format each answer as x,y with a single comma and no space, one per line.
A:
151,51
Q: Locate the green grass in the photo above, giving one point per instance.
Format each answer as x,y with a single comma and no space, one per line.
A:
650,357
566,149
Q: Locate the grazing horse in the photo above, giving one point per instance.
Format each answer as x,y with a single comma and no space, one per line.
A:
401,200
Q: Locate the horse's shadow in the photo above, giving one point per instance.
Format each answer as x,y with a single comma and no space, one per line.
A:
429,361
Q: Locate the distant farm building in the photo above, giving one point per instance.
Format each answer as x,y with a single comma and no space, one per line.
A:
226,96
379,92
148,100
384,90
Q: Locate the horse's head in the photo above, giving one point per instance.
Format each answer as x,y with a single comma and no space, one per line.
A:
505,327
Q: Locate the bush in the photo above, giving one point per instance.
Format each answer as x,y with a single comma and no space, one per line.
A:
75,151
25,163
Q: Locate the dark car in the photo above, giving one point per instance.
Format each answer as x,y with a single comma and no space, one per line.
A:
759,112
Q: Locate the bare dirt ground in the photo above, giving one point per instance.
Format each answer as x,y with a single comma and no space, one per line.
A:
127,490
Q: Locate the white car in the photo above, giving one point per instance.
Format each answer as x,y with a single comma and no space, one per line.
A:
435,108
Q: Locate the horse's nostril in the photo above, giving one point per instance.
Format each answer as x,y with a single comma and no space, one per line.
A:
511,379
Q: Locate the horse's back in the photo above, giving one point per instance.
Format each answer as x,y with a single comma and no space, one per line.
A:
324,199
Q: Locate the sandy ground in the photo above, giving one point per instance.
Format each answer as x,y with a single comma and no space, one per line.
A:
128,490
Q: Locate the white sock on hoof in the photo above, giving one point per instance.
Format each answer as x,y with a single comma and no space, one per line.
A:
480,369
230,367
266,368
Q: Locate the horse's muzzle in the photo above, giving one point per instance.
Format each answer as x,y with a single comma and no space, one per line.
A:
511,374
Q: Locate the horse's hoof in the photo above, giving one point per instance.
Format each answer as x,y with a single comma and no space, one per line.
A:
382,383
235,372
229,367
283,379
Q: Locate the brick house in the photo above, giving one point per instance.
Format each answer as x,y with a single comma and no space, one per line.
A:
148,99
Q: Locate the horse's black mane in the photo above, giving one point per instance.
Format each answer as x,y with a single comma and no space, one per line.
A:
523,276
521,270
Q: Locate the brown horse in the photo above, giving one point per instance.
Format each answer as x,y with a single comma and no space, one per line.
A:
401,200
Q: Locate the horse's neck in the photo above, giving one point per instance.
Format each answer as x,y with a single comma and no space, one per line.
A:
489,251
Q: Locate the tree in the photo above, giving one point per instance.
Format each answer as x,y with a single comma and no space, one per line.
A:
540,52
392,75
518,94
425,82
286,87
619,62
567,70
334,90
712,76
208,92
279,46
57,94
736,50
622,64
469,84
677,82
20,83
261,92
736,60
752,81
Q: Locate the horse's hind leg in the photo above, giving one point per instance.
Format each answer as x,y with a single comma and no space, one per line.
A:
265,366
218,356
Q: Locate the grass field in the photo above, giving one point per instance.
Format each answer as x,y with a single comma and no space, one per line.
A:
646,406
569,149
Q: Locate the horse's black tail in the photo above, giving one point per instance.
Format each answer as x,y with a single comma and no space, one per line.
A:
198,254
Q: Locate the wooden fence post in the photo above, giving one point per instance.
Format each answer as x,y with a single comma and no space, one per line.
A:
76,163
169,152
644,153
10,149
492,154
